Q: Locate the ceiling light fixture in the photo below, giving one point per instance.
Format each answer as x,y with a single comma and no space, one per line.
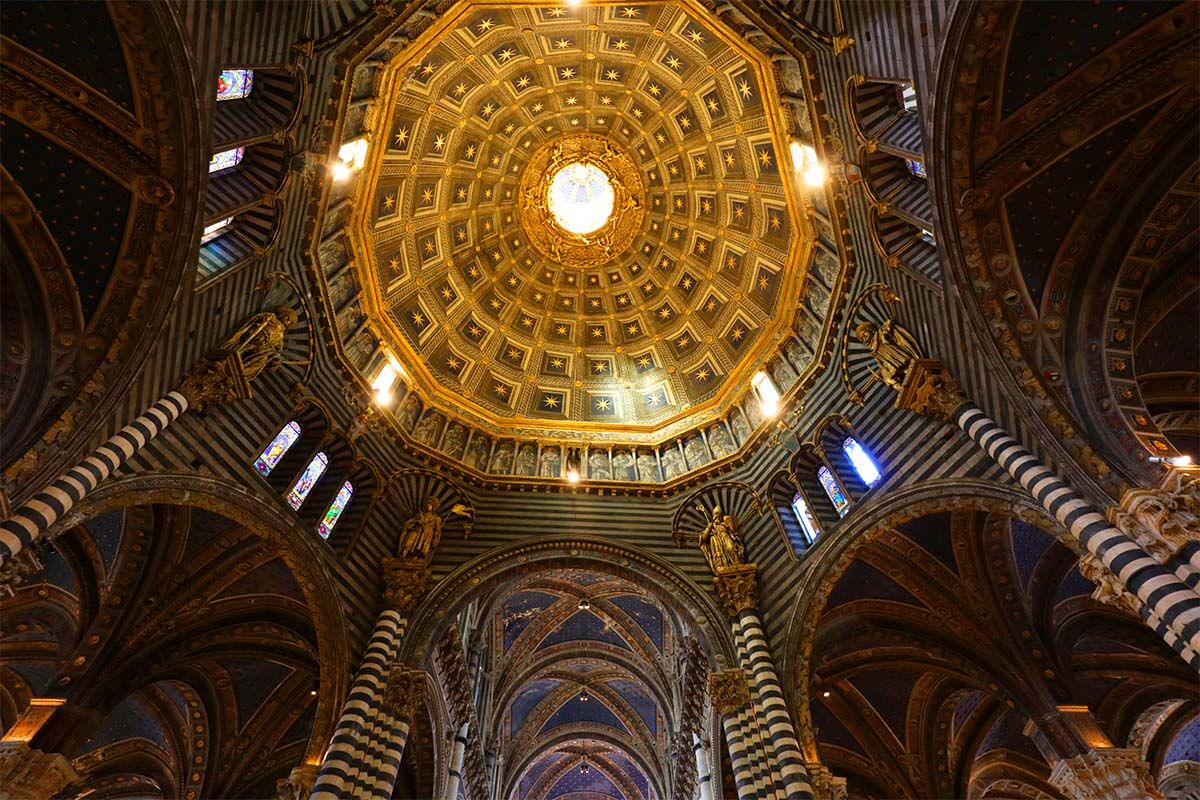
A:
806,162
1174,461
584,604
768,395
572,475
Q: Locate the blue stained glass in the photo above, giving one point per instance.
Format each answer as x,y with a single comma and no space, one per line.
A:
234,84
864,465
335,510
307,480
278,446
836,495
807,521
225,159
916,167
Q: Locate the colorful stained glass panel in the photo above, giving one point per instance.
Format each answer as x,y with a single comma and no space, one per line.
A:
234,84
807,521
307,480
864,465
335,510
916,167
225,159
278,446
836,495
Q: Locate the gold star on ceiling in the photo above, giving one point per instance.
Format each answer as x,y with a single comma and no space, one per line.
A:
550,401
602,404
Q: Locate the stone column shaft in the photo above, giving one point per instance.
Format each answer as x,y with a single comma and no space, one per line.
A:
703,771
454,771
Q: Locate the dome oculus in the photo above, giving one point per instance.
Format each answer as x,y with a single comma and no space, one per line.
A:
580,197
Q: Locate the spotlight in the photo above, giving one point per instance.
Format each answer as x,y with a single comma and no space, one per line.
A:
313,692
805,161
824,694
1174,461
341,172
584,604
584,696
572,475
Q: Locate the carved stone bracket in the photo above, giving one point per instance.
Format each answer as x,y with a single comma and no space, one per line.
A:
1109,589
298,785
405,691
1105,774
17,569
930,389
1162,520
729,690
28,774
825,785
405,582
211,382
738,588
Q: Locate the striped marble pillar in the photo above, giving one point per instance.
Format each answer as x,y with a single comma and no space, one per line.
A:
32,519
930,389
454,769
765,767
378,763
219,378
703,770
730,695
347,748
738,589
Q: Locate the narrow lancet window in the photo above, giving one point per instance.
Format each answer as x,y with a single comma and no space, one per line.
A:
808,522
307,480
834,490
864,465
276,449
234,84
335,510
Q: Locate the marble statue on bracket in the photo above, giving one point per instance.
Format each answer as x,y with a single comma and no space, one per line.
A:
720,541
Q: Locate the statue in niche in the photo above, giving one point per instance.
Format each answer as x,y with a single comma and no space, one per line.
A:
456,437
784,375
527,459
818,299
741,428
421,534
647,466
826,266
753,412
720,541
719,441
410,409
598,466
502,459
360,347
796,353
672,462
893,347
622,466
696,451
550,464
428,428
478,451
259,342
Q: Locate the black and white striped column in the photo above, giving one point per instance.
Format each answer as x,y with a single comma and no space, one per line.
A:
38,513
739,757
1163,594
454,770
765,689
351,746
764,766
703,771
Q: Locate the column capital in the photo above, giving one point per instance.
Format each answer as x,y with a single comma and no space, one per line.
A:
29,774
12,572
404,691
1108,773
729,690
1109,589
825,785
737,588
405,582
214,381
298,785
930,389
1164,519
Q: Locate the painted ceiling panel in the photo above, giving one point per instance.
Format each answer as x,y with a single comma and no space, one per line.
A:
888,691
831,730
527,699
577,780
932,533
131,718
861,581
636,695
647,615
273,577
521,610
106,533
1028,543
253,681
535,771
576,710
584,626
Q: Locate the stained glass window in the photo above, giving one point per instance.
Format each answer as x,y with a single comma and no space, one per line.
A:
864,465
278,446
225,159
307,480
916,167
216,229
807,521
234,84
335,509
836,495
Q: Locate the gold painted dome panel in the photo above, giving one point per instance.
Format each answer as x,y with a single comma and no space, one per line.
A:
649,326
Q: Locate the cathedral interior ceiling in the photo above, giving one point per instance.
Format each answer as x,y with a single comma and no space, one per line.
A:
636,342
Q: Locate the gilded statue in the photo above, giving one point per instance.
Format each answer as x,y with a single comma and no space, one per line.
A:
720,541
421,534
259,342
893,347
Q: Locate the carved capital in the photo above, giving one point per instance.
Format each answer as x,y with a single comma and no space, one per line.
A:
825,785
930,389
729,690
28,774
405,582
298,785
213,381
17,569
737,587
1109,589
1164,519
1105,774
405,691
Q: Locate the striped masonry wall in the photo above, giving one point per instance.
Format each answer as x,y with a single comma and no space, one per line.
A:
1164,595
348,748
38,513
782,743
